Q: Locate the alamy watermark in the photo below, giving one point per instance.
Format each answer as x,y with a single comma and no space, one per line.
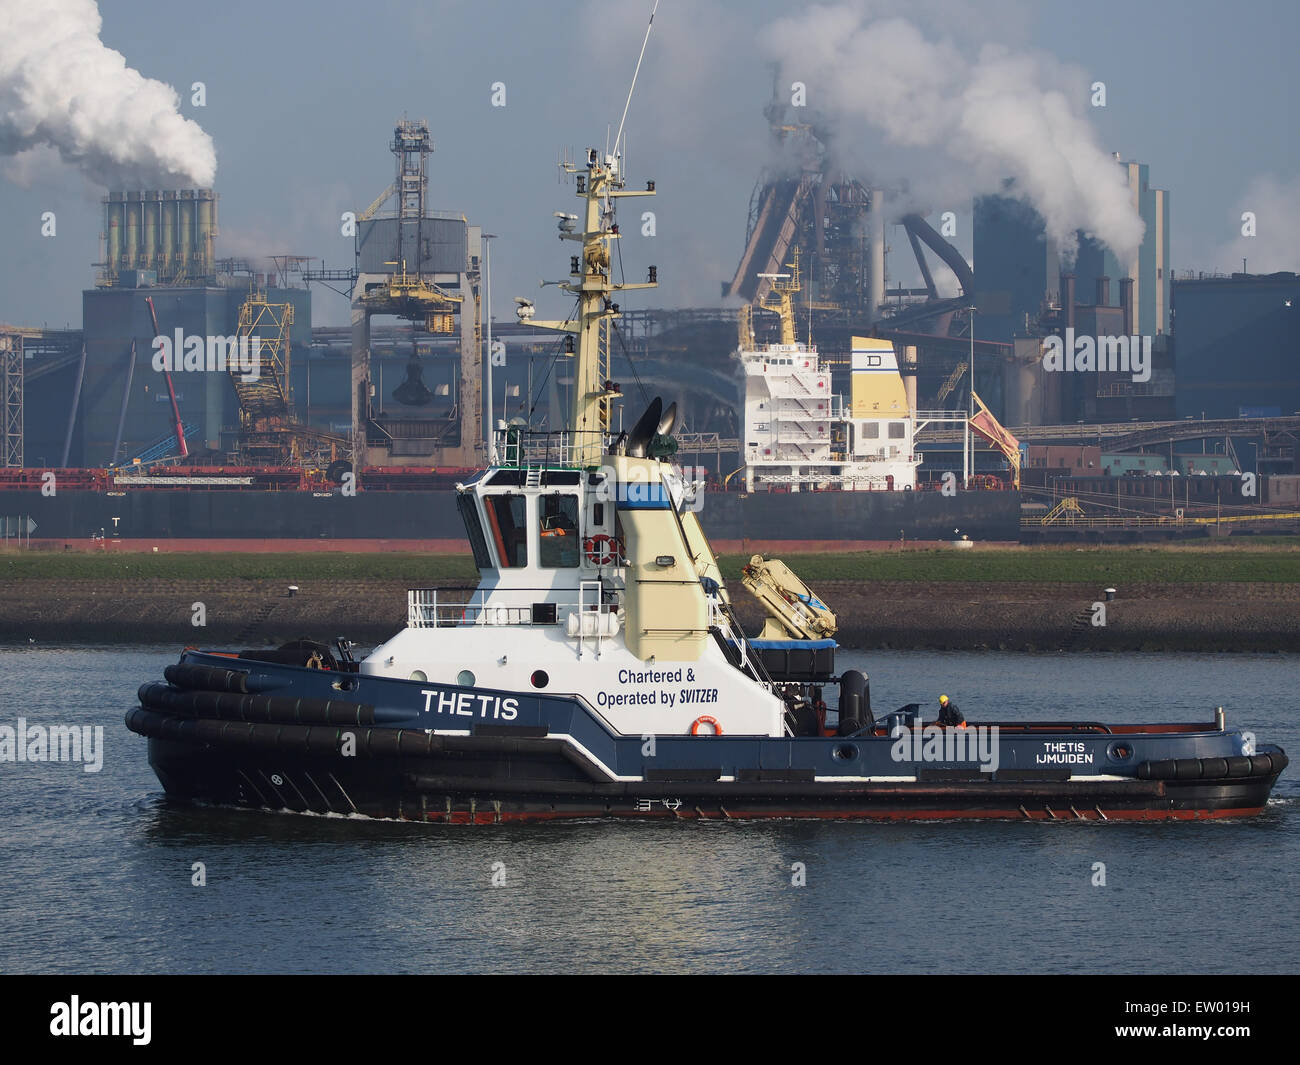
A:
682,489
78,1018
213,354
1102,354
53,743
974,743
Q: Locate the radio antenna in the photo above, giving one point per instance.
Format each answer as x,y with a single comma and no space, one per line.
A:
632,87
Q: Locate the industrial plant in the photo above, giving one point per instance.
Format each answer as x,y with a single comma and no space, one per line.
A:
1201,441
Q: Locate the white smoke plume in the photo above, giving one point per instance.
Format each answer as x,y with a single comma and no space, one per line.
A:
61,86
995,116
1275,244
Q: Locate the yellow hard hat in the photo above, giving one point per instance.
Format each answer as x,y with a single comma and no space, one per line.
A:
943,698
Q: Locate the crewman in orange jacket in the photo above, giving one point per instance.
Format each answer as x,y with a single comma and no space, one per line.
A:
949,714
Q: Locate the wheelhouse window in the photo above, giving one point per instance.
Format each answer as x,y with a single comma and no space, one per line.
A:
508,525
557,518
473,529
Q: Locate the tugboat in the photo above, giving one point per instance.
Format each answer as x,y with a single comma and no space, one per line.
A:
598,671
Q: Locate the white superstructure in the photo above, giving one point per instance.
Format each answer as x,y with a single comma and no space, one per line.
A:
590,586
798,436
596,582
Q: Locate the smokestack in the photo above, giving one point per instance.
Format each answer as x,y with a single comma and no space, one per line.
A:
1126,303
876,255
172,231
132,249
167,236
115,229
204,250
1067,299
185,232
149,228
1103,291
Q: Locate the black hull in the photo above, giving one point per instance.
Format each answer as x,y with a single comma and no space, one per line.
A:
283,737
521,780
198,514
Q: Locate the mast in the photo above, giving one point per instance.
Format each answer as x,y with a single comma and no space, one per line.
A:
784,291
599,183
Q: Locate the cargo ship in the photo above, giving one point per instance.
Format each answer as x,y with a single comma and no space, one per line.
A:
819,473
197,509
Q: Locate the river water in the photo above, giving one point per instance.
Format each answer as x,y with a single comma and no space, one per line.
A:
96,868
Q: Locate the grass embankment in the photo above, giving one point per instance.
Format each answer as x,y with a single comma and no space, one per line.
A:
1108,565
327,566
1244,598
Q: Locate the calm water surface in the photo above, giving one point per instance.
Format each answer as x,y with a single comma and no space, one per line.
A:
95,868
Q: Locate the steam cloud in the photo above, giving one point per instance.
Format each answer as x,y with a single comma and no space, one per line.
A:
1276,244
60,86
1002,115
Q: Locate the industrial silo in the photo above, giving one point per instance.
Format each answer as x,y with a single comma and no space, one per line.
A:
149,227
185,233
167,236
207,231
113,221
131,251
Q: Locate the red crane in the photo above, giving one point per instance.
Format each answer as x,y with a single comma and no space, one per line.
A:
171,391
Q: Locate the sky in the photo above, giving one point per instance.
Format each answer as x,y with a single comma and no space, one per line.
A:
937,99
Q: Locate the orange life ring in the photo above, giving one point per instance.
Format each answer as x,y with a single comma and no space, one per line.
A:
600,549
706,720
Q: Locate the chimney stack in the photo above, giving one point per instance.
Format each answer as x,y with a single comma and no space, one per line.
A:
1067,299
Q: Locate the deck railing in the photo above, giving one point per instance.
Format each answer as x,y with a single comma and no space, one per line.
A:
518,447
423,611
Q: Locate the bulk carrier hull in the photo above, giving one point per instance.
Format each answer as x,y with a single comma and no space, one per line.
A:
258,520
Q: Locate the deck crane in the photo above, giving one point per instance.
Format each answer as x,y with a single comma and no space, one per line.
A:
794,612
987,426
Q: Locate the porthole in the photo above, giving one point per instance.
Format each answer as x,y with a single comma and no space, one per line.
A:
1119,751
844,752
465,678
540,678
420,675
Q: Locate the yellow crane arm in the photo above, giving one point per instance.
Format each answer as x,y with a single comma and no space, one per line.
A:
380,200
794,612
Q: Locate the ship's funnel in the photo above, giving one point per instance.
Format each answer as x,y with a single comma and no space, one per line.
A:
643,432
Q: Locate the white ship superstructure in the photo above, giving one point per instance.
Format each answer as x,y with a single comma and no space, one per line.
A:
799,436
